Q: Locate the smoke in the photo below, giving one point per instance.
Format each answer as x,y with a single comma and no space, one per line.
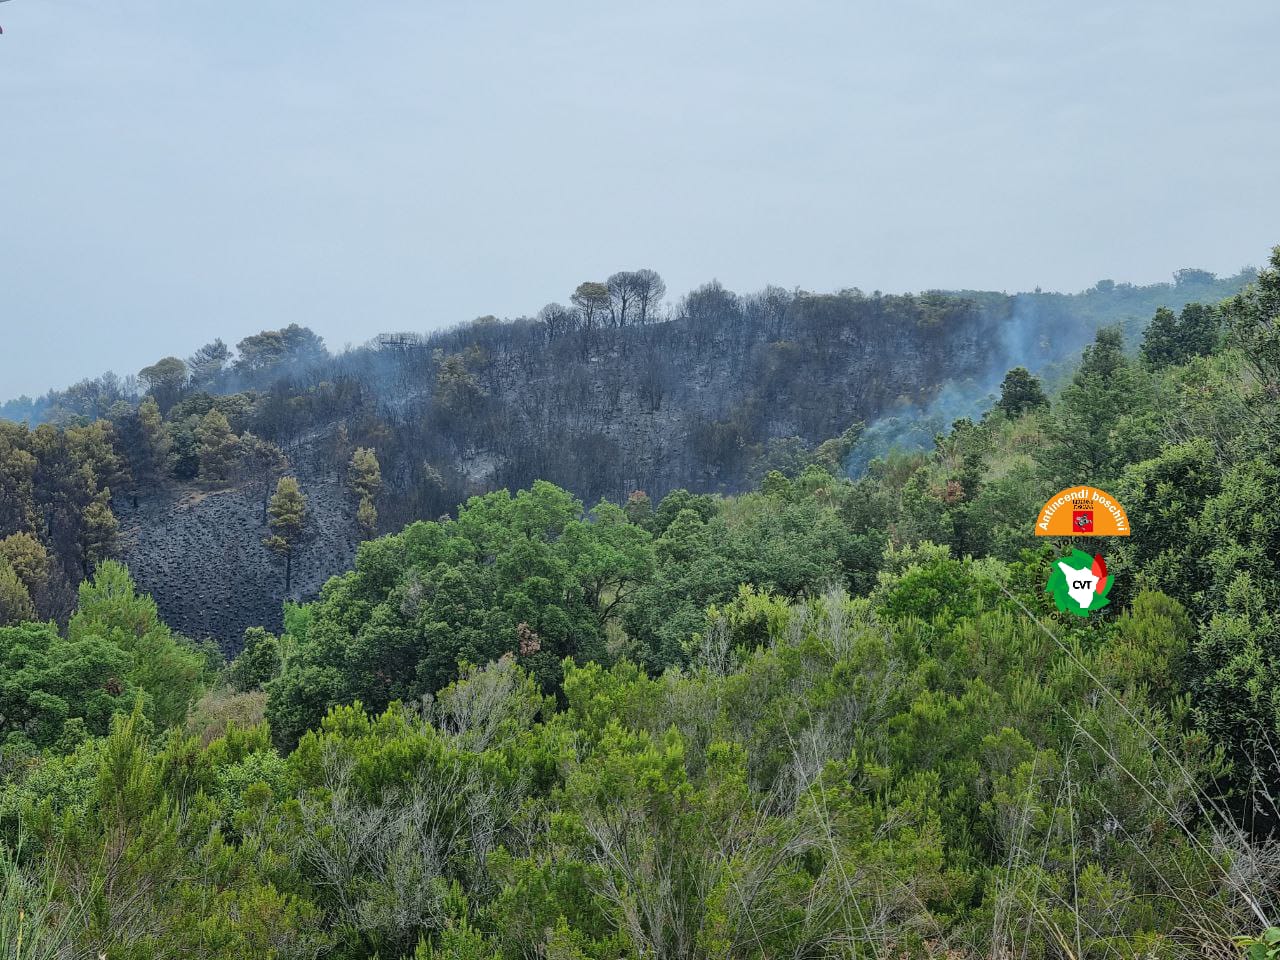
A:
1017,329
914,427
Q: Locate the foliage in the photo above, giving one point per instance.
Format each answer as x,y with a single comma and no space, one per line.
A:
287,518
56,520
1021,393
827,717
258,663
436,594
1265,946
15,599
219,447
48,682
165,667
364,474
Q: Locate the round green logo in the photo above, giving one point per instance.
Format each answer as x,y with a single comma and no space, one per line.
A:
1080,583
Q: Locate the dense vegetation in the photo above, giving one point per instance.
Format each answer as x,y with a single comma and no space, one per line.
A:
826,717
615,392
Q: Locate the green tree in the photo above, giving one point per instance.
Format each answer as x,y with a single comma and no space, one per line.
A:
1175,338
639,508
831,454
94,446
1097,425
458,389
1020,392
155,444
29,560
270,350
47,680
364,473
166,668
208,363
15,598
527,576
165,380
592,300
1161,346
367,518
1253,324
218,449
99,530
258,663
287,519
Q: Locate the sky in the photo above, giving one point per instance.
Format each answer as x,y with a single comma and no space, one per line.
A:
174,172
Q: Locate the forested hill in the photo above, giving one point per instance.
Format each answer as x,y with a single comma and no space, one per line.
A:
615,393
829,717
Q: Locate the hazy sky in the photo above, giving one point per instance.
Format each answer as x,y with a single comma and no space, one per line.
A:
175,171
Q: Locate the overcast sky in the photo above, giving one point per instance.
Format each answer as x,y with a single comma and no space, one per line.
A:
175,171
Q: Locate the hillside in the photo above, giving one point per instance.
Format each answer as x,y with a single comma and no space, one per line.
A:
602,397
200,553
828,716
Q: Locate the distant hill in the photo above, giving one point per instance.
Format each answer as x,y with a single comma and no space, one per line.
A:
607,396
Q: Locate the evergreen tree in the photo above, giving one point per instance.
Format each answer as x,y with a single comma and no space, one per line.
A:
1201,325
364,473
154,441
165,667
287,514
29,560
1084,442
1170,339
208,363
258,662
217,449
48,680
99,529
165,379
15,600
1020,393
1160,341
367,518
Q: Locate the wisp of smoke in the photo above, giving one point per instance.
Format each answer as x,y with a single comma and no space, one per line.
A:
914,427
1018,341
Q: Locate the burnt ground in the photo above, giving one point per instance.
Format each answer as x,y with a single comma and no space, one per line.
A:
199,553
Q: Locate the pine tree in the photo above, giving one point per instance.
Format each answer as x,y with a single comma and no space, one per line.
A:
365,473
288,515
1171,339
1082,445
1021,392
29,560
98,531
154,455
367,517
15,601
217,450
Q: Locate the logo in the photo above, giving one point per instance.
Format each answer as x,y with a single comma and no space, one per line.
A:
1082,512
1080,583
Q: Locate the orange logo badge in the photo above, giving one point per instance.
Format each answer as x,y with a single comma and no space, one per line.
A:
1082,512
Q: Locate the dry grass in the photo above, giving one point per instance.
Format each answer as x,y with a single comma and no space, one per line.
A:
222,706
